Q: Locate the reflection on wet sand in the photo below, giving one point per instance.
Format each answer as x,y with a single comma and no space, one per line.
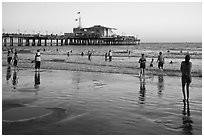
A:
142,91
160,85
8,74
14,79
187,122
76,79
37,79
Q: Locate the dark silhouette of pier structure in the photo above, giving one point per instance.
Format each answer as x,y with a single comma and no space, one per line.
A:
96,35
60,40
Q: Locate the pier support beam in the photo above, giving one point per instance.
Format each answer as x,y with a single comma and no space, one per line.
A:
50,42
27,42
33,43
20,41
66,41
61,42
4,42
11,41
56,42
39,42
45,42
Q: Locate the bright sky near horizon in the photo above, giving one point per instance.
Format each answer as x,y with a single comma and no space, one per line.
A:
151,21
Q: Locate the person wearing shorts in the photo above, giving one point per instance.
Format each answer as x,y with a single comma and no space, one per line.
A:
142,62
9,57
160,61
37,60
186,76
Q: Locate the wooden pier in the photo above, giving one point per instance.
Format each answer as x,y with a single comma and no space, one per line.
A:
61,40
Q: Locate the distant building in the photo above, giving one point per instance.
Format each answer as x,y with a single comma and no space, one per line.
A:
95,31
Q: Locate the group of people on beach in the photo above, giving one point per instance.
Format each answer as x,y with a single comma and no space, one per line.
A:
185,65
142,62
185,69
109,55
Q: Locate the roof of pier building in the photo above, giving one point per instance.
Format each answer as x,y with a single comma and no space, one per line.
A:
97,30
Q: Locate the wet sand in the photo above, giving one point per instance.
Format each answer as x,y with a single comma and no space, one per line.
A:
96,103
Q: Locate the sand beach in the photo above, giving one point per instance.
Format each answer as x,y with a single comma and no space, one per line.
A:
74,95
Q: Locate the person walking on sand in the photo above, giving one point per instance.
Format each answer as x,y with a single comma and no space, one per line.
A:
89,55
37,60
106,56
9,57
110,55
15,59
142,62
186,76
160,61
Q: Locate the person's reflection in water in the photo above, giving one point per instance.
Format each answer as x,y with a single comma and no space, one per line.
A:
160,85
14,79
187,127
142,91
76,79
8,74
37,79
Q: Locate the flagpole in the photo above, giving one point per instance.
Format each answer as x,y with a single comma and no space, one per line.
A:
79,19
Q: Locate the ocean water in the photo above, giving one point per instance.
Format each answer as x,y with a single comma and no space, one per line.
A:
102,103
195,48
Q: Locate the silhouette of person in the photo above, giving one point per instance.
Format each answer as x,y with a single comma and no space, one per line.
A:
151,63
142,62
142,90
37,60
15,59
160,84
186,76
37,80
106,56
15,79
160,61
89,55
110,54
9,57
187,122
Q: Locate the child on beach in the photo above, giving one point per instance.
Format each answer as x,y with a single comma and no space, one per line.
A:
37,60
186,75
160,61
15,59
142,62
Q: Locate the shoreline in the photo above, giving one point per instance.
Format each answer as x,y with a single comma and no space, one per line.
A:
108,69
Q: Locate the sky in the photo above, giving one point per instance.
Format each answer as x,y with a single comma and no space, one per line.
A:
149,21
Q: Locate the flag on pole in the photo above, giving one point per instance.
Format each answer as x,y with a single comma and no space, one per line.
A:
78,12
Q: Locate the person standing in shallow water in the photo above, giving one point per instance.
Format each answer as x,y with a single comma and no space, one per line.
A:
160,61
37,60
186,76
110,54
15,59
142,62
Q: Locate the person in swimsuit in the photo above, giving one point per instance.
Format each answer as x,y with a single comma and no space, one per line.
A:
160,61
142,62
37,60
186,76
